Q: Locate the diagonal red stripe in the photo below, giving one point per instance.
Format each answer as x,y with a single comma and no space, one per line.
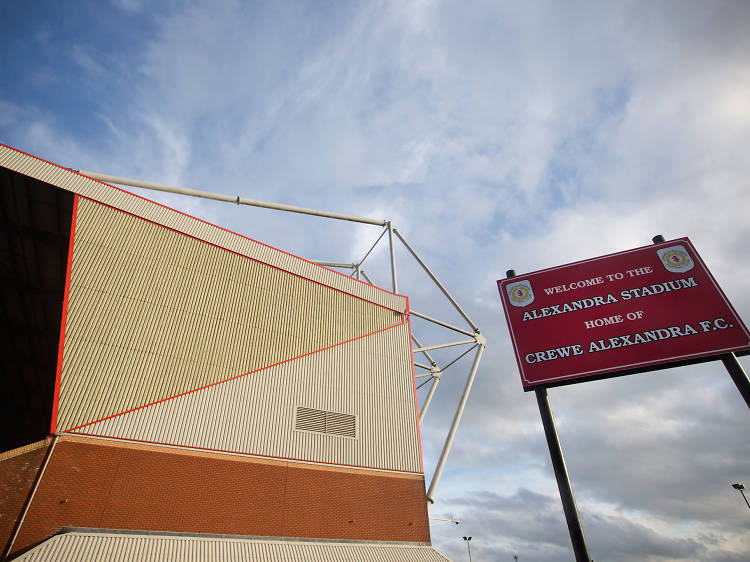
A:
403,319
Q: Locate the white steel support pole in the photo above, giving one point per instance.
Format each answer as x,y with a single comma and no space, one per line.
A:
367,277
427,355
228,198
393,259
430,394
336,264
372,248
440,322
435,280
442,345
454,426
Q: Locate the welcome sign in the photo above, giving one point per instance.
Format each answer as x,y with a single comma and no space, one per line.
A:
638,310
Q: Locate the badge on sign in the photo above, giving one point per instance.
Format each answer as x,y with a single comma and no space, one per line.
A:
520,293
676,259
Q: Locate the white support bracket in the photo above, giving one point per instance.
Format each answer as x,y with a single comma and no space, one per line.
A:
436,373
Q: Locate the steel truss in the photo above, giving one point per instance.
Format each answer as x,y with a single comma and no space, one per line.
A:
433,372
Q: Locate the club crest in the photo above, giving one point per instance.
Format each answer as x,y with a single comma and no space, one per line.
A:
676,259
520,293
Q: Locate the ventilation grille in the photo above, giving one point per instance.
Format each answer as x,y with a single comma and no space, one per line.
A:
330,423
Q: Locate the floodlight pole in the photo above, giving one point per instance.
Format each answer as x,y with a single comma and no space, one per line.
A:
741,489
468,545
570,509
456,420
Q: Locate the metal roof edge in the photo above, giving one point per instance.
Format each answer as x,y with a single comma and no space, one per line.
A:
116,197
187,535
76,543
10,453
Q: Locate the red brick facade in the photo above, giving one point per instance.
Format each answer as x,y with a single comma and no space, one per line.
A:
18,470
116,485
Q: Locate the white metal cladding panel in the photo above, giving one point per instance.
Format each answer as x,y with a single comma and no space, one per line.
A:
121,199
370,378
153,313
126,547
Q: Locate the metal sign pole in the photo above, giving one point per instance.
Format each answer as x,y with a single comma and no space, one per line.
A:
563,480
738,374
561,472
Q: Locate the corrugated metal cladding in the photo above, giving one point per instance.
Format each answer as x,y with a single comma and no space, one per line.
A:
127,547
370,378
72,181
153,313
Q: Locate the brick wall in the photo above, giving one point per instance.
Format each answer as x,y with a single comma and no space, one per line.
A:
18,470
116,485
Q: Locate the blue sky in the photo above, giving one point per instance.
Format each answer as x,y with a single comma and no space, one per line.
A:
495,135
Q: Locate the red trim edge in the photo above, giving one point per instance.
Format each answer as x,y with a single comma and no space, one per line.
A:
61,345
187,215
414,378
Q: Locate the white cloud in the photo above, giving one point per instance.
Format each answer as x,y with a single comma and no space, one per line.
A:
83,58
129,6
9,113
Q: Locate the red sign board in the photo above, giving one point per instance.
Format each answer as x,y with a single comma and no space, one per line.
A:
637,310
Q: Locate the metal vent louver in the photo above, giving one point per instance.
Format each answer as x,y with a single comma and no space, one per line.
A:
321,421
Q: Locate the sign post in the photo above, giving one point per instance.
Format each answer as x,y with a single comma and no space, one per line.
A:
561,472
570,508
640,310
738,374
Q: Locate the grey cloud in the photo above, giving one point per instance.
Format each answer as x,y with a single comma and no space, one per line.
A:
536,531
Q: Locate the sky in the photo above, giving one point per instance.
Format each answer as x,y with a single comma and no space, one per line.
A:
495,135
